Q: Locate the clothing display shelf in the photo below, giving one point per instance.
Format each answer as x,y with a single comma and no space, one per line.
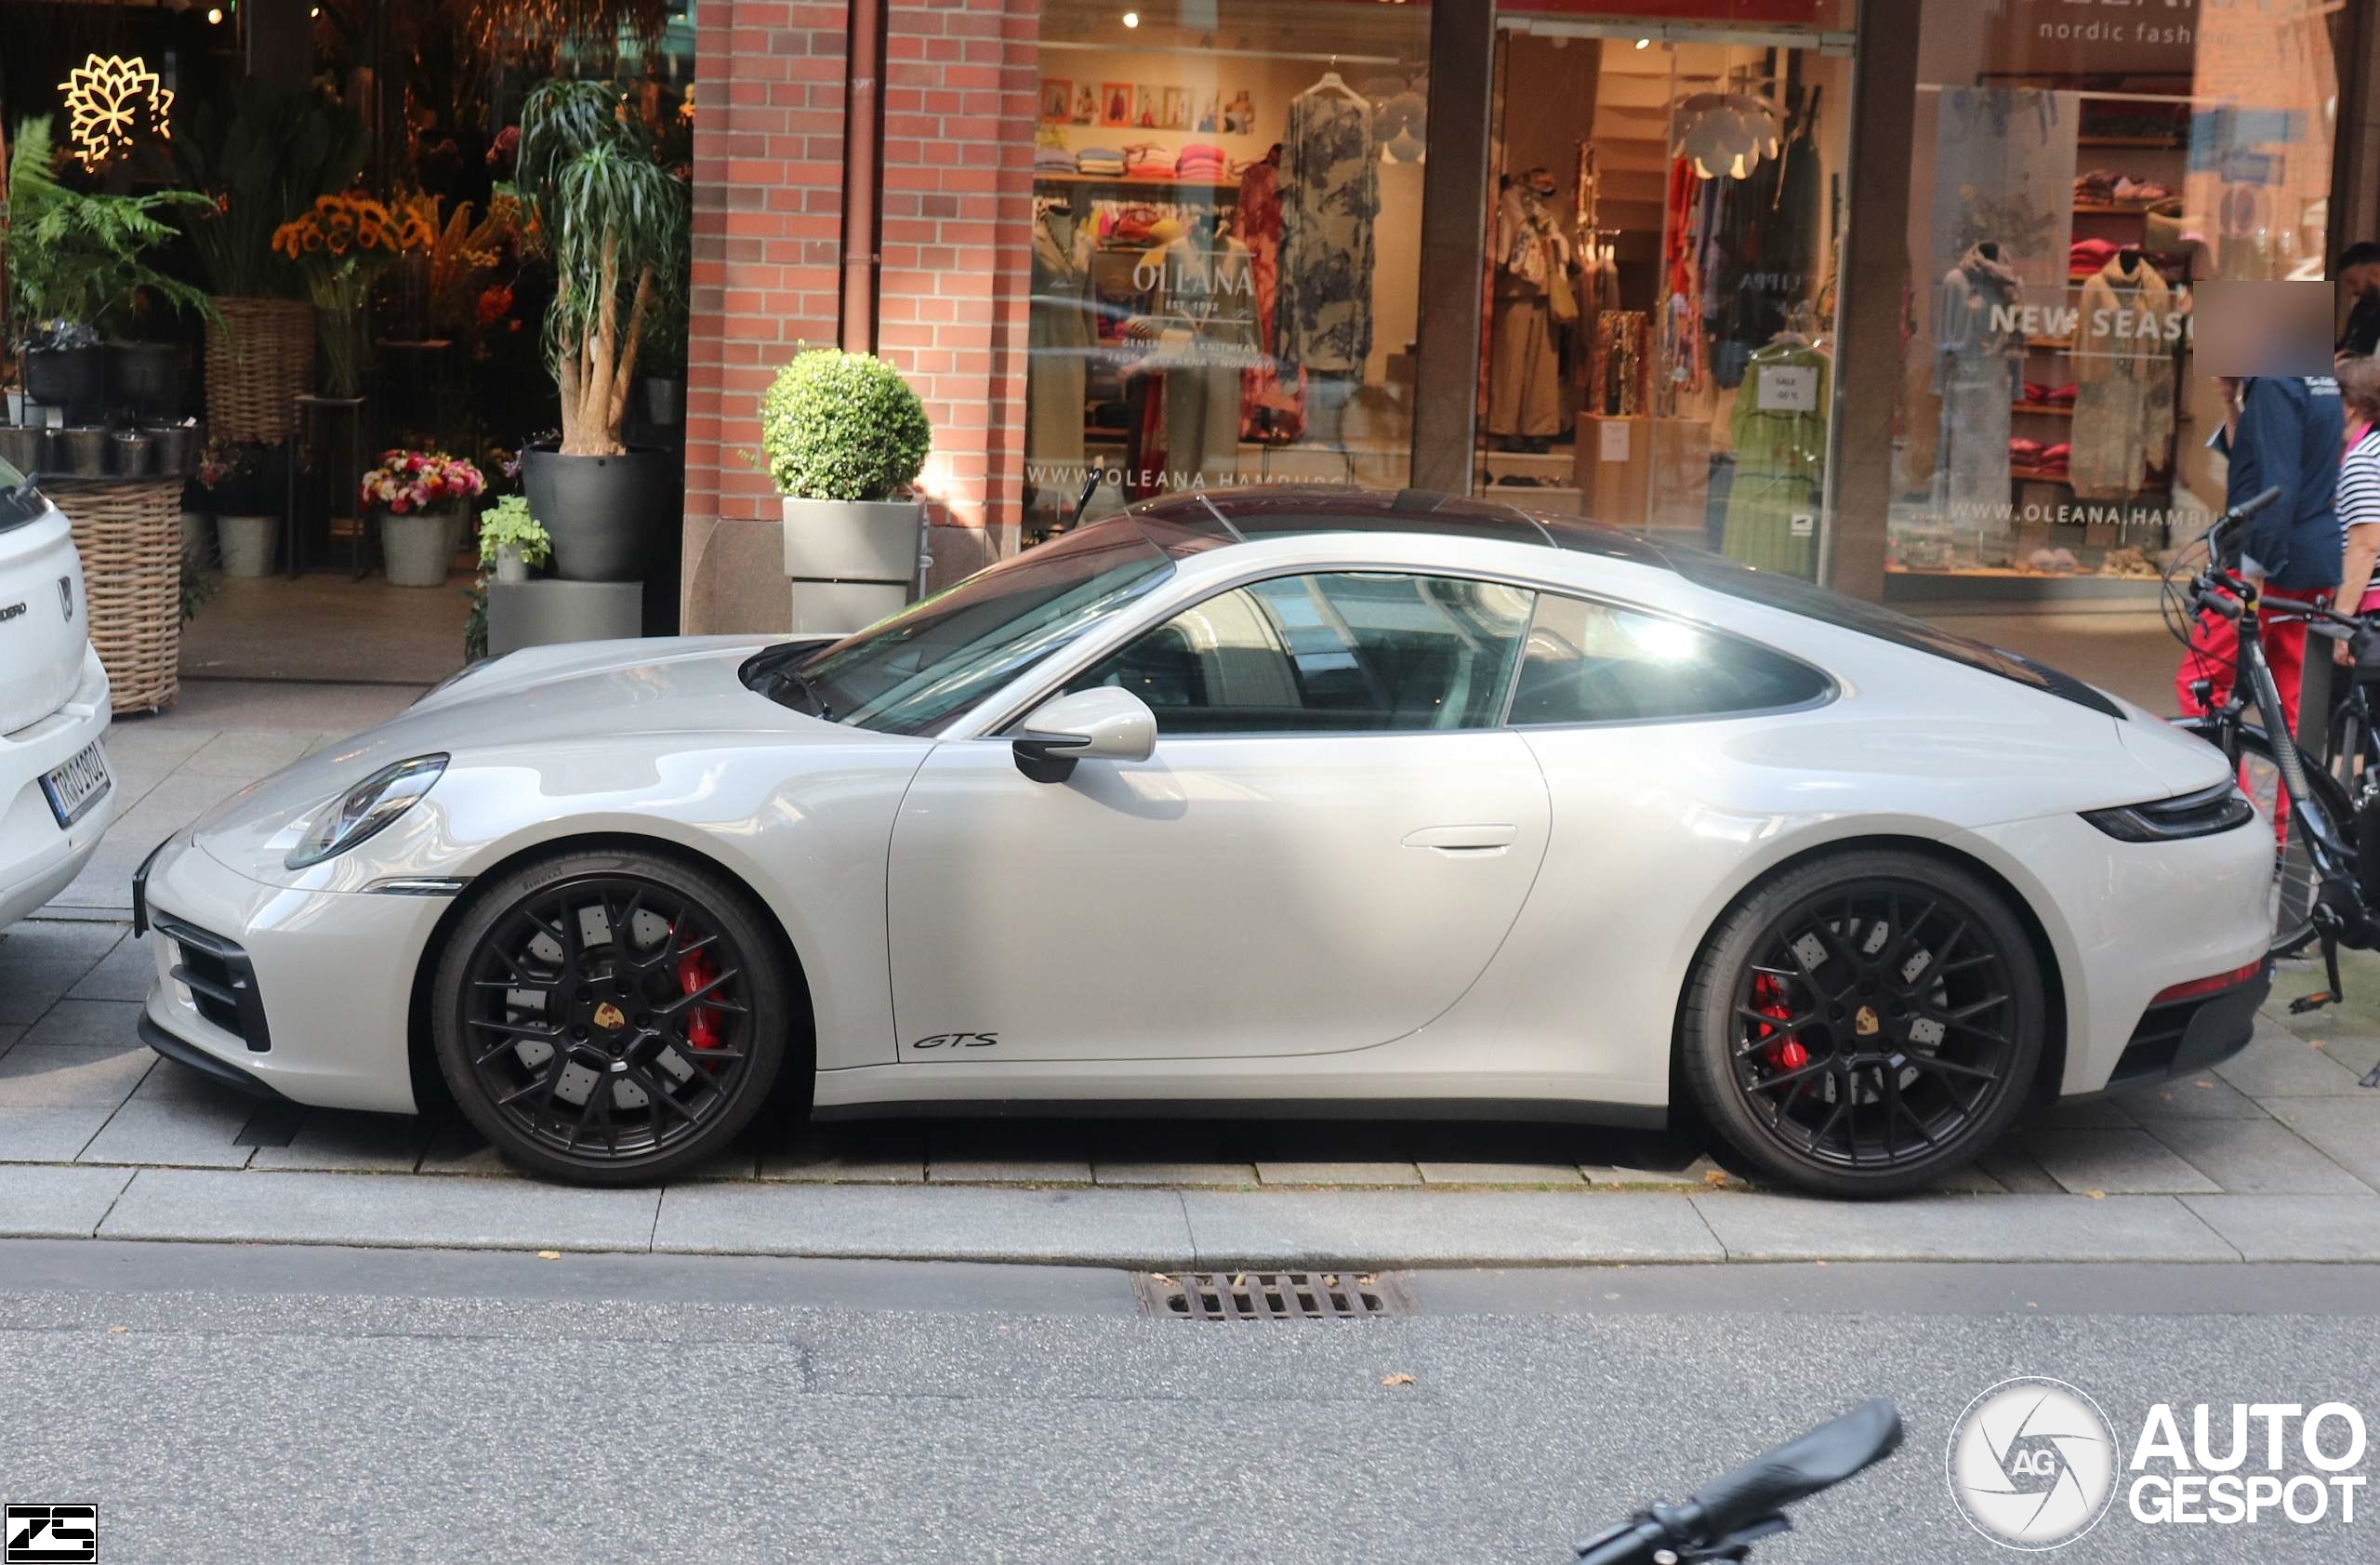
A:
1223,191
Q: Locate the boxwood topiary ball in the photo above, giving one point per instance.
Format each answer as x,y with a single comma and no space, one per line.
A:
838,426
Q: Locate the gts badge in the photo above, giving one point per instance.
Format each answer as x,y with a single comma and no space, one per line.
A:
958,1041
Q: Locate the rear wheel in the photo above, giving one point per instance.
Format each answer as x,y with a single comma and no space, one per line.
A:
611,1018
1864,1023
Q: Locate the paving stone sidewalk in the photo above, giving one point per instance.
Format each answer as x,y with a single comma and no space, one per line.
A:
2273,1156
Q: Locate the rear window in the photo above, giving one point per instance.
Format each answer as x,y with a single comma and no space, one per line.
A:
1594,662
1796,596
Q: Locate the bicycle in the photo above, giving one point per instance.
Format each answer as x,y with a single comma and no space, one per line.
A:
2338,835
1724,1517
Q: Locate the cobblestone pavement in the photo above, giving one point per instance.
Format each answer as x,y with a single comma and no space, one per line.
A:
2274,1155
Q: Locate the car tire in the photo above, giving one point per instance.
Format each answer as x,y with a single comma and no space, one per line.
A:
626,1042
1864,1023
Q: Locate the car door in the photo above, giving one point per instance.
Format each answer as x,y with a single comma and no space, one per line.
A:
1332,836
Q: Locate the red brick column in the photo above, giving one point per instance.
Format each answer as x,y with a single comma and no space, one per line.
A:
961,99
768,215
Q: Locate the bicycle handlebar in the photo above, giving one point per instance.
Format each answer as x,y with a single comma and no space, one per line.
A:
1756,1492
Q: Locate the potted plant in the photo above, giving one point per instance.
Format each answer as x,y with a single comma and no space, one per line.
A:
842,433
613,221
512,540
341,243
421,500
234,483
77,262
261,155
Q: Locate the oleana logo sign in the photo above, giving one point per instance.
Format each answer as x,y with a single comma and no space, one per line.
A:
2032,1463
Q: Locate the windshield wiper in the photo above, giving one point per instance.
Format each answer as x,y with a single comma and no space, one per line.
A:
771,673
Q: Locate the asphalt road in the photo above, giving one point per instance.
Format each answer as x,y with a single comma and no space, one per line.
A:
225,1403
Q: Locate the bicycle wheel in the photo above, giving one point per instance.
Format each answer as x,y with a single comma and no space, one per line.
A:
2294,885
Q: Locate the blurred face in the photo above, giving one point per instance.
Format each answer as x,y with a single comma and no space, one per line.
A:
2362,280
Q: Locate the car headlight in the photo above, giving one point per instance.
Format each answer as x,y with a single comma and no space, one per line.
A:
2202,813
364,809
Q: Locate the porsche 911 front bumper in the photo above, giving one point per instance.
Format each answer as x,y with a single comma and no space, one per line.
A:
303,994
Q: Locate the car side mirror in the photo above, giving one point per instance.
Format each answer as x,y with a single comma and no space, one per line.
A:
1102,724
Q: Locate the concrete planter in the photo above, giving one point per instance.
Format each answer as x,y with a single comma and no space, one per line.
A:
418,548
198,540
852,562
249,544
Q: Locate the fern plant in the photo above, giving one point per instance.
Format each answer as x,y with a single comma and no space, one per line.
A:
76,260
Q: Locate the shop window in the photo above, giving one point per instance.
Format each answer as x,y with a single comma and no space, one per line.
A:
1226,246
1661,266
2078,169
1332,654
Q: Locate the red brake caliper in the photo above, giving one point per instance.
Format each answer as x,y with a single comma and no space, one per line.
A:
695,970
1769,999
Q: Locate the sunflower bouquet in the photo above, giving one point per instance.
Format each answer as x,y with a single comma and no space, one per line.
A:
341,243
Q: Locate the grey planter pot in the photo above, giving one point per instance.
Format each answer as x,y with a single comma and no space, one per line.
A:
509,567
852,562
21,446
418,549
198,539
249,544
80,450
608,516
132,451
177,449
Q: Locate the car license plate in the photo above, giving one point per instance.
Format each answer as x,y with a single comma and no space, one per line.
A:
78,784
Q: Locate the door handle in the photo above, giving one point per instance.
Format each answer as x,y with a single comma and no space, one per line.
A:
1464,839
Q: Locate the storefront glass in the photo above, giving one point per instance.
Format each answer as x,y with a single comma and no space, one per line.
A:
2079,166
1226,246
1662,258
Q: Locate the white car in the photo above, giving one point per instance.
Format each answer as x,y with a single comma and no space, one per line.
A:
56,795
1261,801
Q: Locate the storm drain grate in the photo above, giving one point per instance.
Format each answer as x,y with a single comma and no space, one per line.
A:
1273,1295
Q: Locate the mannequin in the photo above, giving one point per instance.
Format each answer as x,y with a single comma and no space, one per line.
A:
1059,332
1524,387
1978,373
2124,374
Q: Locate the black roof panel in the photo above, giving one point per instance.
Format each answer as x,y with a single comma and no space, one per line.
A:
1210,518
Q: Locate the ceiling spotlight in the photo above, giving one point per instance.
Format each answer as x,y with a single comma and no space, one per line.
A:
1131,18
315,11
215,16
1644,43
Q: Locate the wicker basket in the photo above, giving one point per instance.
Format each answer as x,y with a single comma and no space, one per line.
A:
260,357
130,537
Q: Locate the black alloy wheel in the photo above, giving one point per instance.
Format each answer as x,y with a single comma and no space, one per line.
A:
610,1019
1864,1023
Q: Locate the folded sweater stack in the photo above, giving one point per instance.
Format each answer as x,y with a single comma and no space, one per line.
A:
1053,160
1104,161
1200,161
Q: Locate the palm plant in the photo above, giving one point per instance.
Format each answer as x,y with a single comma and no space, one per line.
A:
73,258
615,222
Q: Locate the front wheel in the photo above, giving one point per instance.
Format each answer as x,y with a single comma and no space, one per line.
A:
1864,1023
611,1018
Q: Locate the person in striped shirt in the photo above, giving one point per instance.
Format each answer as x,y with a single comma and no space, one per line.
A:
2358,492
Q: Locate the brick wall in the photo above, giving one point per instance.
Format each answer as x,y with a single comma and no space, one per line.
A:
960,102
961,99
767,230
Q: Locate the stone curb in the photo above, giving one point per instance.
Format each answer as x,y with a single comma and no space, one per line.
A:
1165,1229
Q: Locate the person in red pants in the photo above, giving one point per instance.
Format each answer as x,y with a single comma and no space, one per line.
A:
2282,432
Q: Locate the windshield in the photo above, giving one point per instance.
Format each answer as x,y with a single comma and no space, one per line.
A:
916,672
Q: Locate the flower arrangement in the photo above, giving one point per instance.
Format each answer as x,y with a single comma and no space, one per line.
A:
406,481
341,243
233,478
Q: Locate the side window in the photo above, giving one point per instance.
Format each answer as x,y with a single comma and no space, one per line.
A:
1589,662
1351,652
